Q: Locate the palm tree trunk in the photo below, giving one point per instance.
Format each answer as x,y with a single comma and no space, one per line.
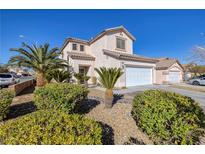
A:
108,98
40,80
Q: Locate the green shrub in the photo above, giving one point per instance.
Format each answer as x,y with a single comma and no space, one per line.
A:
63,96
50,127
6,97
168,118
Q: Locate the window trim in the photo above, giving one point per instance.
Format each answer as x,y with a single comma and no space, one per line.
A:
76,46
124,39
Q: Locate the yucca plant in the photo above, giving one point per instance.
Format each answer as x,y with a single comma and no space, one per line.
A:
61,76
40,58
108,78
58,75
86,78
79,77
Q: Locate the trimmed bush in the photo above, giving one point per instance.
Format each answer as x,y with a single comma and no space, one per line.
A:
62,96
50,127
168,118
6,97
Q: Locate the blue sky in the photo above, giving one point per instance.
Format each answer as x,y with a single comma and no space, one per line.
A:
159,33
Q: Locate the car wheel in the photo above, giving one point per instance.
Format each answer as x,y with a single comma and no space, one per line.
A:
196,83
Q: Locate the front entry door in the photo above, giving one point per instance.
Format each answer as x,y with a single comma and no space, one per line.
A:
83,70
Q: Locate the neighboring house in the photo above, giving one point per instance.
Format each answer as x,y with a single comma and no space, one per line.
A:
169,71
187,73
16,69
20,70
192,69
112,47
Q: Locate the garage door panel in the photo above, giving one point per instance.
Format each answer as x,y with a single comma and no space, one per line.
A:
138,76
174,77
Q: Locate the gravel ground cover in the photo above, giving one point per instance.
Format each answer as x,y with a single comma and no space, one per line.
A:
119,119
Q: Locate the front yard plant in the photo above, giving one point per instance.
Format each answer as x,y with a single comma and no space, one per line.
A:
58,75
108,78
60,96
50,127
79,77
168,118
6,97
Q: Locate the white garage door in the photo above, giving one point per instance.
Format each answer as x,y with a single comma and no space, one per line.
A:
138,76
174,77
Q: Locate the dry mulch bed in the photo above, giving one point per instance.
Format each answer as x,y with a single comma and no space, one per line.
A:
119,119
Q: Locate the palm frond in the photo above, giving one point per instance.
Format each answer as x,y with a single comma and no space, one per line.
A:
108,76
40,58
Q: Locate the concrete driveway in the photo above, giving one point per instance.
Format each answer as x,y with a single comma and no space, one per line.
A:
131,91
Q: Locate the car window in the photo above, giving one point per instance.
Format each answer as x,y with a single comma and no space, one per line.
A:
202,76
5,76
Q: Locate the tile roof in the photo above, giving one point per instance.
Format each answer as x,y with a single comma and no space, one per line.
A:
165,63
82,56
73,39
125,56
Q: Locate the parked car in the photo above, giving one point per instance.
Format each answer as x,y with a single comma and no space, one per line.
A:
17,78
200,80
7,79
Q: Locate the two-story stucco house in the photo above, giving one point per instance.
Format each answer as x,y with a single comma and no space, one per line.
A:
113,47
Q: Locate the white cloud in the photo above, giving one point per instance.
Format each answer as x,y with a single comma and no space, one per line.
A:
21,36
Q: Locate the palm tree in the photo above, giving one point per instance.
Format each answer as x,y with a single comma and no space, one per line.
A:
108,79
39,58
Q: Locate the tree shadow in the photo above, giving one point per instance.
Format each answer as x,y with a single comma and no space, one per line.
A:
134,141
87,106
20,110
108,135
117,97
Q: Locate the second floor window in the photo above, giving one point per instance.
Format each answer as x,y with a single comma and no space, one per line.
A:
120,43
81,47
74,46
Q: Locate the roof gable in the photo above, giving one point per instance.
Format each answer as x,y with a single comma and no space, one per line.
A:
111,30
165,63
98,36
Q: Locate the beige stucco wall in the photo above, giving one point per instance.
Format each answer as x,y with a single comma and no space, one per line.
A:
102,60
111,42
162,76
68,48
